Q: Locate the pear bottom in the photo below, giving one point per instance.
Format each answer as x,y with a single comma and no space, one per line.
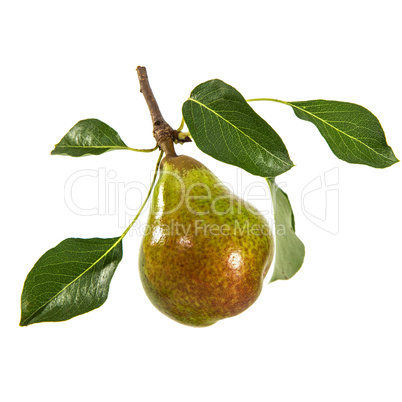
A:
199,295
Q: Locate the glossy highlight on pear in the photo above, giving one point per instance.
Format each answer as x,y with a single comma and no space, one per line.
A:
205,252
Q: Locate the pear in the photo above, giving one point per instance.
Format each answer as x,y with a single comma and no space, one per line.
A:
205,251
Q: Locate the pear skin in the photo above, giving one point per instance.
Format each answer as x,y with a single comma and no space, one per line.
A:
205,252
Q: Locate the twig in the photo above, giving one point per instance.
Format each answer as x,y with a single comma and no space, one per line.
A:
164,134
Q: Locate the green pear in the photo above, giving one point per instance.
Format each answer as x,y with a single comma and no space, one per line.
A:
205,252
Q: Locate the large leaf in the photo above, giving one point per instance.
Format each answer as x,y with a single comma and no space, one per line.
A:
70,279
289,250
352,132
89,137
225,127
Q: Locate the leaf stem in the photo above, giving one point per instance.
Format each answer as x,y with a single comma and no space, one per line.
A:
181,125
146,198
143,150
268,99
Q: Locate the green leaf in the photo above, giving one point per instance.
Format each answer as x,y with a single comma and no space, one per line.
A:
225,127
89,137
289,250
70,279
352,132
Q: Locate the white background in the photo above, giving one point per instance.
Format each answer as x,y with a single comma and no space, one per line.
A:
330,333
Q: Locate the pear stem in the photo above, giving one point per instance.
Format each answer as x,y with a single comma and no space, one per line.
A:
164,134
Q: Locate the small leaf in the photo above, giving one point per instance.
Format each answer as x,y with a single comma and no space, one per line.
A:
70,279
289,250
352,132
89,137
225,127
